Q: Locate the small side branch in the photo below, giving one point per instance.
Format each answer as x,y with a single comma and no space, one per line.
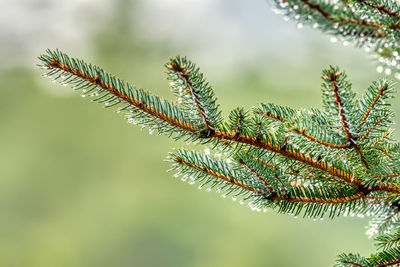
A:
372,105
190,89
124,96
218,175
303,133
381,8
259,177
339,103
333,19
367,132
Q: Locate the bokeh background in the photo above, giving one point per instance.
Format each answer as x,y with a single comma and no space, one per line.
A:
81,187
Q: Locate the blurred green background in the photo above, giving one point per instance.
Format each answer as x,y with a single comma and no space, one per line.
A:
81,187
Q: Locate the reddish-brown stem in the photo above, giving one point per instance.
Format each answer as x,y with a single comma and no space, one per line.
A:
335,200
389,263
380,139
352,263
390,240
386,175
339,103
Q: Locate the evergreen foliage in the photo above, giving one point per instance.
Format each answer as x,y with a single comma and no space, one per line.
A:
337,161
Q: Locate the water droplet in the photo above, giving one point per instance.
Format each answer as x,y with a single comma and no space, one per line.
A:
345,43
286,18
379,69
228,160
224,196
234,198
192,181
265,210
132,121
299,25
207,151
200,187
83,95
241,202
295,217
315,25
209,189
275,10
333,39
218,190
388,71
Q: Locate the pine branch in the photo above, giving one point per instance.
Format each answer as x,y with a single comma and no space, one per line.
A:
332,162
111,91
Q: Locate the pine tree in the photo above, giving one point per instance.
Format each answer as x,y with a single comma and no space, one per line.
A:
337,161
